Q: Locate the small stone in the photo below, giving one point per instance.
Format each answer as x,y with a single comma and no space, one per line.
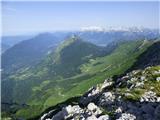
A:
142,78
118,110
128,95
127,116
139,84
133,79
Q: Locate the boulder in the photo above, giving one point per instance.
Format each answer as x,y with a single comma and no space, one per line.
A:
76,109
107,98
94,109
95,91
68,111
106,84
92,94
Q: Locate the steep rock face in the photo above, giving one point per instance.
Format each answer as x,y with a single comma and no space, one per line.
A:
124,98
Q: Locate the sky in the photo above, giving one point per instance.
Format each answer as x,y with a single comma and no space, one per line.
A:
33,17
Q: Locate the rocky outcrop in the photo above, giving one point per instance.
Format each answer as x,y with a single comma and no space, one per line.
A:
95,92
135,96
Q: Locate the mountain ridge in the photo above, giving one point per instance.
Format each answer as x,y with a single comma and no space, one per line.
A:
19,55
151,57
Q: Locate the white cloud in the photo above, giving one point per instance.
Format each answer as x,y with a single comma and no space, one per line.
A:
92,28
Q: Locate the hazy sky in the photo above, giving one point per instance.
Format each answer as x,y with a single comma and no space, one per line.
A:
28,17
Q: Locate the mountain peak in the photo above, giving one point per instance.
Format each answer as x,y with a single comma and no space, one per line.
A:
72,53
72,39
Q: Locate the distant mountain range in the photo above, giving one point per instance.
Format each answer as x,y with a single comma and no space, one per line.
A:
104,37
96,35
10,41
117,28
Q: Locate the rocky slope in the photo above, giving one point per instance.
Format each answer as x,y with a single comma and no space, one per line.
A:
135,96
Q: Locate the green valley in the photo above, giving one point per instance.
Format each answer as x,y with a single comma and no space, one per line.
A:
71,70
